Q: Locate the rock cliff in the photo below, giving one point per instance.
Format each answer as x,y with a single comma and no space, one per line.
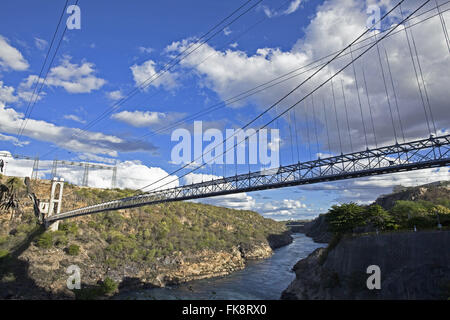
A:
414,265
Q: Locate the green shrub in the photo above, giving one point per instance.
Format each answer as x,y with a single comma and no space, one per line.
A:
3,240
45,240
422,222
69,228
4,253
73,250
109,286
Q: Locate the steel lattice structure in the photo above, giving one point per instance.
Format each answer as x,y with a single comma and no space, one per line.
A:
415,155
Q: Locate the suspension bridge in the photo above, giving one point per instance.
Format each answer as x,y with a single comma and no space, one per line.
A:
421,154
430,149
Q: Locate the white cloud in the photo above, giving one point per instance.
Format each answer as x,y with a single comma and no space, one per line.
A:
130,174
293,6
10,57
13,140
41,44
146,118
74,78
145,75
285,207
227,31
93,157
74,118
24,92
115,95
69,138
7,94
232,72
26,89
146,50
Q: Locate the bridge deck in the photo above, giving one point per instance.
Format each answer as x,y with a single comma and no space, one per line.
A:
415,155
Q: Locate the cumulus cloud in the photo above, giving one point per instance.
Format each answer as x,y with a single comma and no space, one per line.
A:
293,6
69,138
7,93
74,118
285,207
10,57
26,89
230,72
115,95
74,78
130,174
13,140
145,75
146,50
146,118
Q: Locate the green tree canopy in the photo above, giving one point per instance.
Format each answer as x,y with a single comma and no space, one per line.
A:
345,218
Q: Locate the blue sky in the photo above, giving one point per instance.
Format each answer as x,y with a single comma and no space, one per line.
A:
121,43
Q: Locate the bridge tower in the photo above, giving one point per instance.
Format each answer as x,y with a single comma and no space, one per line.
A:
54,168
34,173
85,182
114,178
55,201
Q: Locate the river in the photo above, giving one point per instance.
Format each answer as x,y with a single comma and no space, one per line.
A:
260,280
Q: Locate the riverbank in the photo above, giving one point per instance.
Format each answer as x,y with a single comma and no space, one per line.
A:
412,265
151,246
260,280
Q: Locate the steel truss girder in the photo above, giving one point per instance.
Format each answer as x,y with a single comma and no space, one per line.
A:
415,155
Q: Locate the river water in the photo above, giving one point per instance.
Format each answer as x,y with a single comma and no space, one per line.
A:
260,280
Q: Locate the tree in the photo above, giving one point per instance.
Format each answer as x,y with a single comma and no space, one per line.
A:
344,218
379,218
403,210
9,198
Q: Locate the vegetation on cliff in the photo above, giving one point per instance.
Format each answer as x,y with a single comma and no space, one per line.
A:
157,239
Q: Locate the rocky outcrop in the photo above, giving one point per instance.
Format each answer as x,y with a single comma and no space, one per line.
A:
318,230
427,192
280,240
414,265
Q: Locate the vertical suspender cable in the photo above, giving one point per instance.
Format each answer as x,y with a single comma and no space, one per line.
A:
359,98
307,131
395,95
296,135
444,27
290,135
415,72
326,125
335,111
370,107
346,115
386,90
423,80
315,123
